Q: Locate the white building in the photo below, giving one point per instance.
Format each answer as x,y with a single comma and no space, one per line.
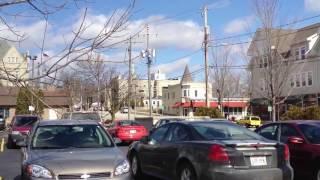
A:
13,62
158,76
183,99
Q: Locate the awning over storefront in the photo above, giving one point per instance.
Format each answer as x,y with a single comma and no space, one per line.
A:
234,104
212,104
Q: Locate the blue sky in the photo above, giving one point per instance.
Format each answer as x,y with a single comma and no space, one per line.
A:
175,27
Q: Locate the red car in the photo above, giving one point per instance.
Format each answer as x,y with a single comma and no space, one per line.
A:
19,128
128,130
303,139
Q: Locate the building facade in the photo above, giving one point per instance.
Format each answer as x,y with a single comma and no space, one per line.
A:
294,63
13,64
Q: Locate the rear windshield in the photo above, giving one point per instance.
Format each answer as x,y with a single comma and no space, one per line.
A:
224,131
85,116
128,123
311,132
25,120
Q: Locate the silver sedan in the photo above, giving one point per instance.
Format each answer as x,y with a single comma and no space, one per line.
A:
72,150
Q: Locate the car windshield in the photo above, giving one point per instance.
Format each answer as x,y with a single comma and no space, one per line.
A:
311,132
85,116
128,123
25,120
224,131
70,136
255,118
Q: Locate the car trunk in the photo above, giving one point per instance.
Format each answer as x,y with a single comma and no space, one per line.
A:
131,129
253,154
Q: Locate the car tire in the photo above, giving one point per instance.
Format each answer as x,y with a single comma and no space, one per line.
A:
136,167
316,174
186,172
10,143
247,125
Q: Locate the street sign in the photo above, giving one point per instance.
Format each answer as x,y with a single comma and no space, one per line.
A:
269,108
31,108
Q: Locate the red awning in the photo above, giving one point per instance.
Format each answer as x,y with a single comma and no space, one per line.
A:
177,104
234,104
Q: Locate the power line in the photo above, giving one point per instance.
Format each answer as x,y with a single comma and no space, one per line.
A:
280,26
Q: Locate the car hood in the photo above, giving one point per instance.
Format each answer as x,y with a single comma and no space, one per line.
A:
75,161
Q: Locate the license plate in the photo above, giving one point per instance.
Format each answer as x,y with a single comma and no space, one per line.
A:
258,161
133,131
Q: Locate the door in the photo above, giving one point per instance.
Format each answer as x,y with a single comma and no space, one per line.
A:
149,151
299,157
171,148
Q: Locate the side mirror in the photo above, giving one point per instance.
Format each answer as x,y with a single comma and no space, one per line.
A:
295,140
145,140
117,140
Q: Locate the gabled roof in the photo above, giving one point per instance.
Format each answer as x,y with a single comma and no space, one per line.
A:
187,77
4,48
282,39
303,33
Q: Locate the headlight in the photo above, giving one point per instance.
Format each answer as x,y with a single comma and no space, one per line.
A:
39,171
122,168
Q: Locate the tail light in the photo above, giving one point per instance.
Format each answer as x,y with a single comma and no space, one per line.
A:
218,153
286,152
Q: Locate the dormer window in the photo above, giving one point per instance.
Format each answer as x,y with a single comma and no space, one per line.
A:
300,53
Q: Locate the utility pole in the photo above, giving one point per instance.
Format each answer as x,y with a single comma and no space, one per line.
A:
130,79
206,35
149,53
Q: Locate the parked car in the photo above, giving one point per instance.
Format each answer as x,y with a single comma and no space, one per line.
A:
303,139
209,150
124,110
2,122
128,130
68,149
82,116
250,121
19,128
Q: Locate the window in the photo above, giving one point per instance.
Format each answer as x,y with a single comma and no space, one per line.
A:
297,80
159,133
269,132
311,132
303,79
158,104
263,85
310,78
184,93
265,61
168,95
178,133
292,81
195,93
303,52
297,54
287,131
153,102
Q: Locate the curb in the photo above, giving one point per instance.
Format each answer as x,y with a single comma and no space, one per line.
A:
2,148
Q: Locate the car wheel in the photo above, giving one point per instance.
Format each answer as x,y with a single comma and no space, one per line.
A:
10,143
317,174
247,125
187,172
135,167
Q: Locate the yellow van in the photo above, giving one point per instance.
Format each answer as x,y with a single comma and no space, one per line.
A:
250,121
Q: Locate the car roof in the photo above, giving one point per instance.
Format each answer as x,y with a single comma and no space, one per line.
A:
296,122
204,122
66,122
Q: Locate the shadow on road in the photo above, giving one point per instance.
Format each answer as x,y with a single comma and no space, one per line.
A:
17,178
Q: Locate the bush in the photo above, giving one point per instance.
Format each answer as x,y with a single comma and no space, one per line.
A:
211,112
298,113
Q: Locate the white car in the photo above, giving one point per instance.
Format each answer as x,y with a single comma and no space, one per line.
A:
124,110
